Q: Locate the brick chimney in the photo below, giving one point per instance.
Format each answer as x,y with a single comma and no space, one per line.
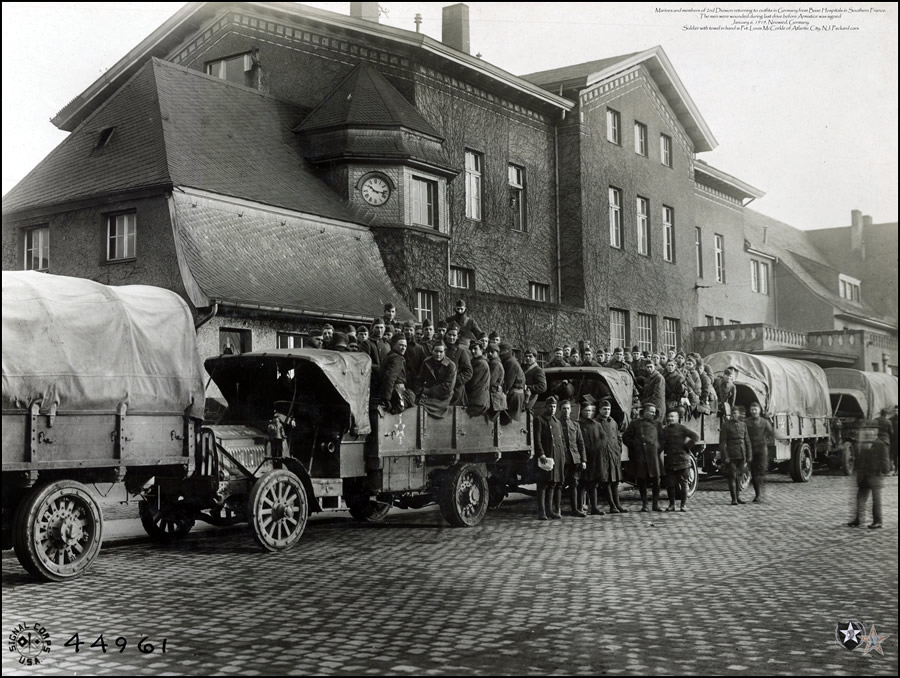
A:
455,27
365,10
856,233
866,228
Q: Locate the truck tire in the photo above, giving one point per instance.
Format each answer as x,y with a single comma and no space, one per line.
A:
801,462
58,531
694,477
463,495
164,522
278,510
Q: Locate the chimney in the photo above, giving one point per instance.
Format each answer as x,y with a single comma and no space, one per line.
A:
364,10
855,230
866,228
455,27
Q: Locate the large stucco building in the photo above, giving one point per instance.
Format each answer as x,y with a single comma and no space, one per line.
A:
282,166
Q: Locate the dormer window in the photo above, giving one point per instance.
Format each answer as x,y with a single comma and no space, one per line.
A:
103,139
849,287
238,69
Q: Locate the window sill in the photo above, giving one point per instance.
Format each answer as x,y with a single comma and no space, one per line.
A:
112,262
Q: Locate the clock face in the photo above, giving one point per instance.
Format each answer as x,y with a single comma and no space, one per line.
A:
375,191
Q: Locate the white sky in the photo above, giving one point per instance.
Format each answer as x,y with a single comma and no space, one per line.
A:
808,117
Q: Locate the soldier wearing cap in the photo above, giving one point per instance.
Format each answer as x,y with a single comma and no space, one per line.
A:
592,433
617,362
390,314
494,338
873,462
339,342
483,339
654,387
315,339
609,467
439,330
478,395
558,359
575,456
535,379
460,357
574,358
736,451
463,320
392,393
513,384
762,434
588,359
362,333
642,439
726,393
437,381
427,334
388,333
549,448
498,374
601,357
417,331
327,335
415,355
373,346
676,442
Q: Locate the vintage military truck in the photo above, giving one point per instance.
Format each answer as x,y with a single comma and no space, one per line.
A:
298,436
100,384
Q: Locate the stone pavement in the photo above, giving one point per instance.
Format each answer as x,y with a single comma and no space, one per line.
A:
754,589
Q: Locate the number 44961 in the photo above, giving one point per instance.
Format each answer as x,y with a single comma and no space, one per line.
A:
121,643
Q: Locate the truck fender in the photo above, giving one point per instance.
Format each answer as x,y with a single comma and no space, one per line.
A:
295,467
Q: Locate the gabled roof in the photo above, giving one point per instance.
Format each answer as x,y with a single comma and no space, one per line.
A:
712,176
194,15
265,259
179,127
661,70
366,99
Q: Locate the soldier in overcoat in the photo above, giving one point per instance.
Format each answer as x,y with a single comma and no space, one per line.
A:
654,388
548,442
676,442
496,386
592,434
459,356
736,451
873,462
436,382
478,395
575,457
642,439
513,384
535,379
762,434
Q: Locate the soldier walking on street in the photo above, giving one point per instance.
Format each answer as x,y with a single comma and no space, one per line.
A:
642,439
736,451
762,434
873,462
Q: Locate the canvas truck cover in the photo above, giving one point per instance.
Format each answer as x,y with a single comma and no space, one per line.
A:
783,386
875,390
620,383
84,346
349,373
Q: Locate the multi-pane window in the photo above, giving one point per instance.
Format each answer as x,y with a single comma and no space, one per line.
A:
237,69
542,358
615,217
461,277
517,197
539,291
291,340
849,287
234,342
759,276
642,210
120,236
426,302
720,258
474,165
640,138
670,333
710,321
613,126
618,328
37,249
645,331
668,233
698,250
720,321
665,150
424,202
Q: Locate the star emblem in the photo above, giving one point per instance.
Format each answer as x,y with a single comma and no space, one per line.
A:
851,636
873,641
400,430
850,633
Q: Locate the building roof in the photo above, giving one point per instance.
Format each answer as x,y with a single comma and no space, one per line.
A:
180,127
267,259
366,99
193,16
659,67
797,252
711,176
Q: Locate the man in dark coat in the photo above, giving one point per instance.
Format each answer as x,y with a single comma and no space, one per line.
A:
588,358
873,462
676,442
375,346
726,393
617,362
736,451
762,434
558,360
535,379
415,355
513,385
642,439
463,361
495,387
436,382
609,471
463,320
654,390
592,434
390,314
392,392
478,395
674,385
549,445
575,457
427,335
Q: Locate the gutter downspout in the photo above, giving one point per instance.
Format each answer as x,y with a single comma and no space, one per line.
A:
556,190
202,320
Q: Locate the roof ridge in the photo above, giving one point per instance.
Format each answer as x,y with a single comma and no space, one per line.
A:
212,78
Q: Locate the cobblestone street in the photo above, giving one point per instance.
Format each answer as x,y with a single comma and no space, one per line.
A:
753,589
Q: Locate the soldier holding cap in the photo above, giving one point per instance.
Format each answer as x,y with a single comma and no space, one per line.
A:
550,451
642,439
736,451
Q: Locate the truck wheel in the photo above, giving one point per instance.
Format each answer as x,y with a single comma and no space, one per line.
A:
464,496
58,531
369,511
801,463
693,477
848,460
278,510
164,521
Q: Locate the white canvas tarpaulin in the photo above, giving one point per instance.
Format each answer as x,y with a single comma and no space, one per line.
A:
874,390
783,386
85,346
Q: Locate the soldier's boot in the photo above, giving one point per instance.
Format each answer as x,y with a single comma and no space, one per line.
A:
672,492
656,497
595,506
577,501
642,488
541,501
614,493
737,491
554,496
731,490
757,489
684,496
